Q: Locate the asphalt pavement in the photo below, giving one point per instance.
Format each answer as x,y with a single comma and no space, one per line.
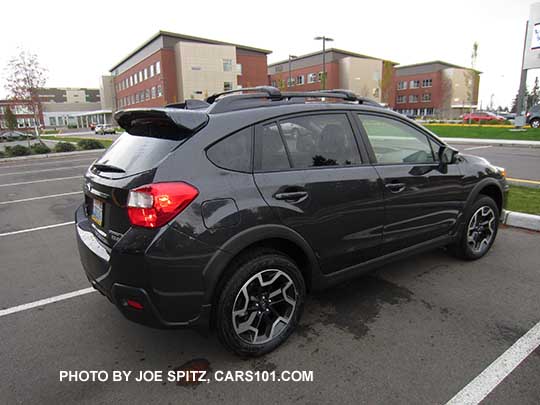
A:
417,331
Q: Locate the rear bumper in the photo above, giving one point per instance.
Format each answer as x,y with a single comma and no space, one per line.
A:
121,275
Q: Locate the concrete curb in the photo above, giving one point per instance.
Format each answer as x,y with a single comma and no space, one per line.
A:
521,220
50,155
494,142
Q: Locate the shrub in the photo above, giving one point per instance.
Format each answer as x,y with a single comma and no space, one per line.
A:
2,154
40,148
87,144
50,132
17,150
64,147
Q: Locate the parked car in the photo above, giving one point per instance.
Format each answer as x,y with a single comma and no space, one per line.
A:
102,129
533,116
93,126
478,116
227,216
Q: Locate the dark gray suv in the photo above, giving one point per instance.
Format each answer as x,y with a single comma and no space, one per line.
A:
226,213
533,116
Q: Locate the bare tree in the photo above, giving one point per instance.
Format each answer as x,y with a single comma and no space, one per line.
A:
24,77
446,96
472,78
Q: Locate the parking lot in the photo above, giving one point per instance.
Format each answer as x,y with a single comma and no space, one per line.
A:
417,331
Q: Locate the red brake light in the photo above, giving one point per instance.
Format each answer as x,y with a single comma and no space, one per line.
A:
153,205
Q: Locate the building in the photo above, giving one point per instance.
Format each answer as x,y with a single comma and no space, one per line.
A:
367,76
71,106
170,68
23,114
435,89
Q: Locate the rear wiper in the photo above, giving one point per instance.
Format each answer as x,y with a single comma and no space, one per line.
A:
108,168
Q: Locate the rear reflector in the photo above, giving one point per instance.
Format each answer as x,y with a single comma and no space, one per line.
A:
154,205
134,304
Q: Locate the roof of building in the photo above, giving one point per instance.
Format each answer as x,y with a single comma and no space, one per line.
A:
59,94
332,50
187,38
437,64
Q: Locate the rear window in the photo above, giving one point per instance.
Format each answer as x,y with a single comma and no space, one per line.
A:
233,152
135,154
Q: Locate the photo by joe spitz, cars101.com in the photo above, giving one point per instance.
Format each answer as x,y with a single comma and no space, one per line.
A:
320,224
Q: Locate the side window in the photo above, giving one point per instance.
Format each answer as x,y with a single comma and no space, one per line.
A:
270,150
395,142
233,152
320,140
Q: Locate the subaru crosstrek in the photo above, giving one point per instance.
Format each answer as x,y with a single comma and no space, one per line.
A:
226,213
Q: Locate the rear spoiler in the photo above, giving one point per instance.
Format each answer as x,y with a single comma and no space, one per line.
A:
186,120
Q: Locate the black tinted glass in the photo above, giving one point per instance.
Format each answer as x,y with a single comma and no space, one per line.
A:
271,151
233,152
320,140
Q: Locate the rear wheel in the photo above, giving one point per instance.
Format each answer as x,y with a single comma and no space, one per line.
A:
480,230
261,303
535,123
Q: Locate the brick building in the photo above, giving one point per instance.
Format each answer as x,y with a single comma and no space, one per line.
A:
367,76
22,110
170,68
435,89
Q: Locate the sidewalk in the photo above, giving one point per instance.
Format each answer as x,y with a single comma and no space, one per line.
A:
495,142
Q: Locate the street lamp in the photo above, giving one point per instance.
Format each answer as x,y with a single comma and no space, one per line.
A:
324,40
291,57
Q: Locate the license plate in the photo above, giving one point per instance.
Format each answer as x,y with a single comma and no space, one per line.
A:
97,212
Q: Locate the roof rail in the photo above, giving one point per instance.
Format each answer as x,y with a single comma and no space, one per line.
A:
272,92
190,104
343,94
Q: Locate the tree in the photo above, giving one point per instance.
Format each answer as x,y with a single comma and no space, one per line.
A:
24,77
514,108
472,78
11,120
534,96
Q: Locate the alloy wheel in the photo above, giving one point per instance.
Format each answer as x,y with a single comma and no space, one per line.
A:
264,306
481,229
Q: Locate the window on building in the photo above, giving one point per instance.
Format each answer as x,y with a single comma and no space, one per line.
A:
227,65
137,97
227,86
291,81
158,67
414,84
395,142
402,85
427,83
153,91
159,90
61,121
299,80
238,69
152,70
312,78
233,152
147,94
52,121
273,83
195,68
401,99
145,71
140,76
413,98
135,78
426,97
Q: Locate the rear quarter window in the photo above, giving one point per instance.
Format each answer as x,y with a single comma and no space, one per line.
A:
233,152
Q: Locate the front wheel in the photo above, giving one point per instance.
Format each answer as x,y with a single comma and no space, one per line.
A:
480,230
535,123
261,303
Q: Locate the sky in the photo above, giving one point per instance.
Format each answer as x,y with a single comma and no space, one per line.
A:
80,41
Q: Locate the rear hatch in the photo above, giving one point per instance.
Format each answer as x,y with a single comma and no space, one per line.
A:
130,162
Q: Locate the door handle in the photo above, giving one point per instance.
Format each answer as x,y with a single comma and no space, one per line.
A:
395,187
292,196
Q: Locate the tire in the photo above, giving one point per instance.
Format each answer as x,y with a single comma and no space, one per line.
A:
535,123
478,234
237,315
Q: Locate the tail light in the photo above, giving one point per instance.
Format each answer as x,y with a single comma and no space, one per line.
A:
153,205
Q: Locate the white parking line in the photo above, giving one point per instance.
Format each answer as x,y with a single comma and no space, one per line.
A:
485,382
45,301
39,198
479,147
40,181
46,163
44,170
39,228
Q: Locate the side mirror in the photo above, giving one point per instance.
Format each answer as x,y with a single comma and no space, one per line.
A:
447,155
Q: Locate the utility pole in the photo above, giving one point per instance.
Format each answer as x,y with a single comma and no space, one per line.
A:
324,39
291,57
520,119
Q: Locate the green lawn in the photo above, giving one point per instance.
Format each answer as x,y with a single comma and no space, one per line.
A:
105,142
484,132
524,199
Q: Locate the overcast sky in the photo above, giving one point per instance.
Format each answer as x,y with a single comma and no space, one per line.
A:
79,41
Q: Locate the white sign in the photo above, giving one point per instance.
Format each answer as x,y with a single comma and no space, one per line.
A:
532,44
